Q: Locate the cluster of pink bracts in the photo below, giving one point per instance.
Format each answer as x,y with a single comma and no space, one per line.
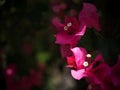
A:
99,75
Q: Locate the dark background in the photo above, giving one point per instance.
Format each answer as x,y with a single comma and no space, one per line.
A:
27,40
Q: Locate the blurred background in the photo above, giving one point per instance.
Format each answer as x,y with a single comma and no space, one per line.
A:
29,57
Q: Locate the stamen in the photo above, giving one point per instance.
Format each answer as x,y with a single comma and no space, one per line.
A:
88,55
65,28
69,24
85,64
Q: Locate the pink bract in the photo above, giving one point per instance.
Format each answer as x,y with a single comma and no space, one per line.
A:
70,31
78,74
76,61
78,58
89,16
112,82
65,50
95,72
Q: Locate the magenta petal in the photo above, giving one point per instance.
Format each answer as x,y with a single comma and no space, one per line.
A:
79,54
98,58
63,39
78,74
88,7
115,80
82,30
102,71
65,50
57,23
92,78
89,16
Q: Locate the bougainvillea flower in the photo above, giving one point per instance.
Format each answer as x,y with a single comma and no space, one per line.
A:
79,56
70,31
89,16
99,68
94,73
109,84
97,74
110,77
77,62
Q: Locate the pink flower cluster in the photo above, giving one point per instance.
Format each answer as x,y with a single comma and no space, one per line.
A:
71,31
99,75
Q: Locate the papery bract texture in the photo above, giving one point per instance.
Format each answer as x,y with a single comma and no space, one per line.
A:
95,72
89,16
78,74
70,31
65,50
